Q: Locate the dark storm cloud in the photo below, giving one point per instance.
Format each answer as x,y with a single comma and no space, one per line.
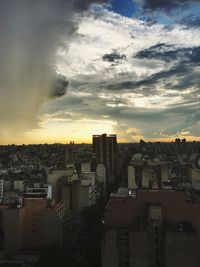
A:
167,5
60,87
160,51
167,52
30,34
170,120
113,57
112,107
84,4
180,76
190,21
179,71
191,79
189,118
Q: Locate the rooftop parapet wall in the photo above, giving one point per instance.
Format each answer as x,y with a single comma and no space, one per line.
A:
122,211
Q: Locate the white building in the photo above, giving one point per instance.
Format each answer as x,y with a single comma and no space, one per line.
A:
19,185
131,178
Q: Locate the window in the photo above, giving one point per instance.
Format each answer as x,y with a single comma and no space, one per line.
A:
157,252
156,240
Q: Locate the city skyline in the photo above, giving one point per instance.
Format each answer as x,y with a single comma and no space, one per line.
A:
125,67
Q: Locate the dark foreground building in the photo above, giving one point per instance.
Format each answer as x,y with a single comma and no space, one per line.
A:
149,229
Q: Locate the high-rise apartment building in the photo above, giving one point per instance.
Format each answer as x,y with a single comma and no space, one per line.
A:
105,152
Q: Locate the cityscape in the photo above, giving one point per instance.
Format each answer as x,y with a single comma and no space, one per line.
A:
99,133
100,204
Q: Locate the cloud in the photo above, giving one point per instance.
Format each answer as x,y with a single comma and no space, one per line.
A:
151,81
160,51
113,57
82,5
152,91
167,5
191,21
170,12
168,52
60,87
30,34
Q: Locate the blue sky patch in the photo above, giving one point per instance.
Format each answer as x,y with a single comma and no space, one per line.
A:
125,8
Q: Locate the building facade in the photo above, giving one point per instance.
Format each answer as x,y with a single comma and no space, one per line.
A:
155,228
105,152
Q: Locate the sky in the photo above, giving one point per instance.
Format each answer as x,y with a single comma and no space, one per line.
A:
80,68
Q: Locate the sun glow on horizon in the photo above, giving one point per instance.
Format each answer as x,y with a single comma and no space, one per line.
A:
62,132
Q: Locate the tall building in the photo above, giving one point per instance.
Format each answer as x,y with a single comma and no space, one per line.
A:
105,152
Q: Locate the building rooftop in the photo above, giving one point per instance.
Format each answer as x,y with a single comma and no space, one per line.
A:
122,211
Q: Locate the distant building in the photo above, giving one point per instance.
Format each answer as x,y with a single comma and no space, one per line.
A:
39,191
19,185
70,154
77,194
54,175
85,167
